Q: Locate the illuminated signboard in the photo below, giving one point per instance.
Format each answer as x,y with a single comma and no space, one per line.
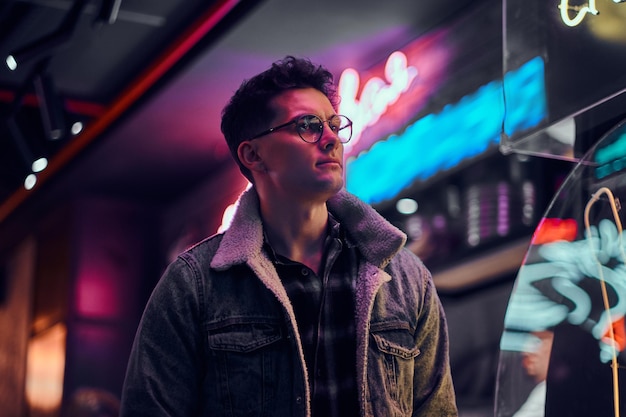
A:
609,165
438,142
382,99
582,44
434,103
579,12
610,158
377,94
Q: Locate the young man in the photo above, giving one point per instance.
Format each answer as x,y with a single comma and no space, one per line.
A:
308,305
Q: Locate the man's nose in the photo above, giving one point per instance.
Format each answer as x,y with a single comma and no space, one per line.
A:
329,139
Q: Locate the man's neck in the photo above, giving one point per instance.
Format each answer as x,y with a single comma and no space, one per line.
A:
296,231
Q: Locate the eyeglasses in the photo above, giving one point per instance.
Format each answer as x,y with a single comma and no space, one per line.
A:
310,128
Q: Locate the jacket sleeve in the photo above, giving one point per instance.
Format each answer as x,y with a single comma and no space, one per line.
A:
433,390
164,372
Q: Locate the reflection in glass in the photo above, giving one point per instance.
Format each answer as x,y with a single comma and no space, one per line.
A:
564,336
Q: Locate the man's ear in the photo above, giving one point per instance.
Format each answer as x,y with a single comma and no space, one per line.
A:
249,157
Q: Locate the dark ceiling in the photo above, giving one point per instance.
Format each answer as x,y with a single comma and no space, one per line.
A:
101,61
148,80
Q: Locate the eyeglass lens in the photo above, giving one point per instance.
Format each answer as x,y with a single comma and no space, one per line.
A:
310,127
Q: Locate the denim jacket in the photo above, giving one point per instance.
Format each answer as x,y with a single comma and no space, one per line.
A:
219,337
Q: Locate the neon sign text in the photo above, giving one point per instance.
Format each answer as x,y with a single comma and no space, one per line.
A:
377,94
555,287
581,11
611,158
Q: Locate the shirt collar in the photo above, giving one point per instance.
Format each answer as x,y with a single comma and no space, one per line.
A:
335,231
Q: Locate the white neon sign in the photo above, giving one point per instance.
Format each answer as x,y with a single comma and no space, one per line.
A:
581,11
377,94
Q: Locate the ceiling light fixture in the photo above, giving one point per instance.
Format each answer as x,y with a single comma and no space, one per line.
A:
76,128
406,206
45,46
41,48
51,105
33,165
109,10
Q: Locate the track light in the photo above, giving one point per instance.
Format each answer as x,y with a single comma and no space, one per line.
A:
109,9
40,48
77,127
51,106
33,165
45,46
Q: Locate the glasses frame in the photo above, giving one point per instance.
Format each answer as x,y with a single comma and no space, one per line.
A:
297,119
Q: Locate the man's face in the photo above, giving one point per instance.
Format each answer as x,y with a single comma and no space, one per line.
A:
296,168
536,361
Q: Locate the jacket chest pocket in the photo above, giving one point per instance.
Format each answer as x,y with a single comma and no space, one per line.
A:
244,337
248,364
392,363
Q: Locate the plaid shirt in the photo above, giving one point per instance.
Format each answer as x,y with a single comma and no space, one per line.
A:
324,308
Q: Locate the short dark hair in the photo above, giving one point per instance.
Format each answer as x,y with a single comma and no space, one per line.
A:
248,112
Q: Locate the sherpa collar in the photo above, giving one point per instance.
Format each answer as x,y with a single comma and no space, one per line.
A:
378,240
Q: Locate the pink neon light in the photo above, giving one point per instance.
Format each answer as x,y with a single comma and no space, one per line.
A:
98,296
377,94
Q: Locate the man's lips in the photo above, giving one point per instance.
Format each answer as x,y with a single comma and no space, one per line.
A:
330,162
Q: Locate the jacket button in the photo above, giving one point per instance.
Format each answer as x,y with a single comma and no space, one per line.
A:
305,272
298,400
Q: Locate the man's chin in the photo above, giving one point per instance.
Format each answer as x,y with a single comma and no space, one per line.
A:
337,186
329,189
